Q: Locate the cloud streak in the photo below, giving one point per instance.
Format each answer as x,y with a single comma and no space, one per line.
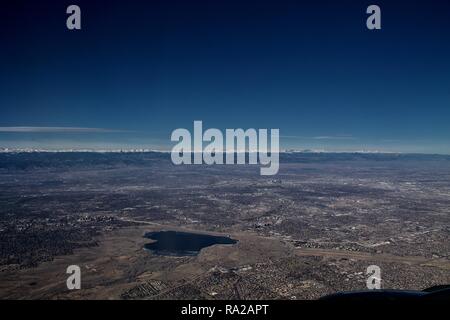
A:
57,130
320,137
334,138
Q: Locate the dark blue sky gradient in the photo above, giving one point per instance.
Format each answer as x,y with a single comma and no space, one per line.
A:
309,68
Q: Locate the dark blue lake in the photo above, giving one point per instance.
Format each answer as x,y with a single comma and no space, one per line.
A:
175,243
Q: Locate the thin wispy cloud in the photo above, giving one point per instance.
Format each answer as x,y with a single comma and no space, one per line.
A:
320,137
334,138
57,130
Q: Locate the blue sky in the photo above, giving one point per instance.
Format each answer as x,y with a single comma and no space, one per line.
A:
139,70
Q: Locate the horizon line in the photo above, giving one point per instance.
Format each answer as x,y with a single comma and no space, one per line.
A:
149,150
